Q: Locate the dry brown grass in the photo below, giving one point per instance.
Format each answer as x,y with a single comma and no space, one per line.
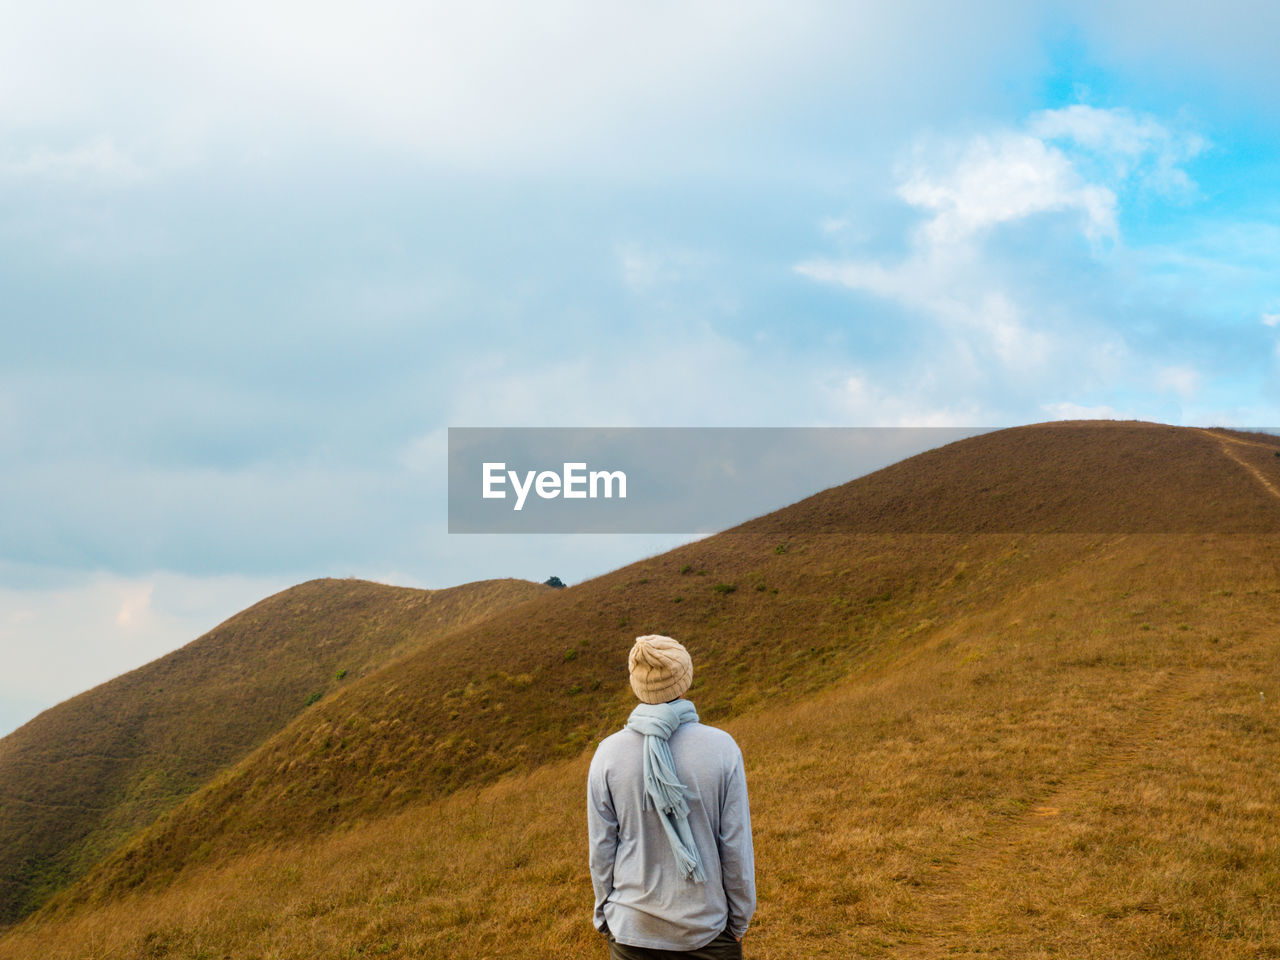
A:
538,683
1085,771
530,685
1069,477
83,776
1003,745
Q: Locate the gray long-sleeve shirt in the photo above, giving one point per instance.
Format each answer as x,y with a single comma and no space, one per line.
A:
639,891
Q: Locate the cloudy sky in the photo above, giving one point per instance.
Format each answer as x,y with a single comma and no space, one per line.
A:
256,258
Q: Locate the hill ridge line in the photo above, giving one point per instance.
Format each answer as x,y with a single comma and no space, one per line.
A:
87,774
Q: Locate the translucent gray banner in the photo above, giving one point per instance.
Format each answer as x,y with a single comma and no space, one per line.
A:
657,479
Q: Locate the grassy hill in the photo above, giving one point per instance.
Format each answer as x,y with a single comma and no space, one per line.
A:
81,777
1070,477
995,739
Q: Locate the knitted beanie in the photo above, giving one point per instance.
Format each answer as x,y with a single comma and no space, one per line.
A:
660,669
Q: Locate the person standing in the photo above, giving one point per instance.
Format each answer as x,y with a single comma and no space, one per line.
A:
668,824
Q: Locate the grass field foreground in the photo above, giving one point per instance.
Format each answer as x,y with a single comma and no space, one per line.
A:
1085,770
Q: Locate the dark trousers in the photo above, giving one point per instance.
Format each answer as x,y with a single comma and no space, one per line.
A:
723,947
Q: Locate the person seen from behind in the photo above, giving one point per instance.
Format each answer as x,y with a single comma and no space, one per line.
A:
668,825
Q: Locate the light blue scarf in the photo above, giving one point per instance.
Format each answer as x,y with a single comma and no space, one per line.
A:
662,786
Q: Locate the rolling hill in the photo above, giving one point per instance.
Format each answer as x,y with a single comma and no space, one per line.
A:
1014,696
87,773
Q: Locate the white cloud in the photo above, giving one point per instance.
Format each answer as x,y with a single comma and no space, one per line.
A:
135,605
645,268
1073,411
1271,319
994,325
499,82
1134,145
61,639
1182,380
99,160
1011,175
673,377
426,456
1002,178
856,399
979,325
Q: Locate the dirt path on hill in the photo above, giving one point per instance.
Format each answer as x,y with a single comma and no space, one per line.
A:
953,893
953,889
1226,442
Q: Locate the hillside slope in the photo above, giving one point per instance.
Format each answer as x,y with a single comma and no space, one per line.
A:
83,775
772,610
1082,767
1068,477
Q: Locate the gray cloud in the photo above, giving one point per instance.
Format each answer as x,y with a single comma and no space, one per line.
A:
253,258
495,85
